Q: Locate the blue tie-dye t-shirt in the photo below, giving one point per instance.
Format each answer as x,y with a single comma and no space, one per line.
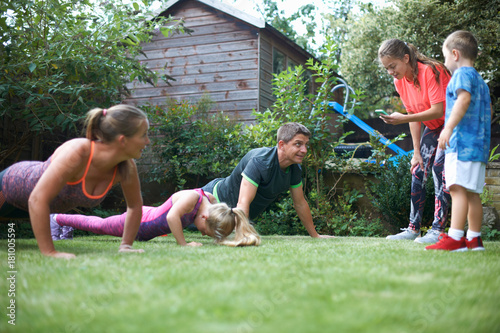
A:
471,137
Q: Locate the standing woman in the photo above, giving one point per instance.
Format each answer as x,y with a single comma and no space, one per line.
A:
421,83
80,173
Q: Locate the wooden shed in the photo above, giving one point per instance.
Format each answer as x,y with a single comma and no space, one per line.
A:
229,56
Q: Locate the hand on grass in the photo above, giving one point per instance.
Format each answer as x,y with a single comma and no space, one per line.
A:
326,236
63,255
128,248
194,244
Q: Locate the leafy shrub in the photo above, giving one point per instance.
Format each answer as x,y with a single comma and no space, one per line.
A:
486,197
191,144
59,59
280,219
294,105
338,217
489,234
390,194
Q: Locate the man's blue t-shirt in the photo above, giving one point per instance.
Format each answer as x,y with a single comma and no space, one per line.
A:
471,137
261,168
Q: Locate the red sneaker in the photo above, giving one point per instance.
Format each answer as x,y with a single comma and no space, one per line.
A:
476,244
447,243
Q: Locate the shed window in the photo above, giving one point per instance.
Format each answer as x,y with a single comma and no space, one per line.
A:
308,78
279,61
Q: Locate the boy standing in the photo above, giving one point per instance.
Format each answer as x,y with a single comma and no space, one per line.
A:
466,135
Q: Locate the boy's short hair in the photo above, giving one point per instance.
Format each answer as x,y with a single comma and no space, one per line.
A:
289,130
463,41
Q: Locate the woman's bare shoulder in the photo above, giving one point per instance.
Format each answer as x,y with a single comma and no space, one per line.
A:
74,148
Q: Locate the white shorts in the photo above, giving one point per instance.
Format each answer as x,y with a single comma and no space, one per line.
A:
469,175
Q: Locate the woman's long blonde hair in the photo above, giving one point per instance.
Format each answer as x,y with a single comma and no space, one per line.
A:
222,220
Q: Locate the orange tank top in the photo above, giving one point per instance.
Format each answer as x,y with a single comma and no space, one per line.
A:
82,180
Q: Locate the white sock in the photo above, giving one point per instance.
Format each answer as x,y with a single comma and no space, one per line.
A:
456,234
472,234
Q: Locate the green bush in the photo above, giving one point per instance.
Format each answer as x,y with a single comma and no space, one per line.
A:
489,234
280,219
390,194
59,59
338,216
191,144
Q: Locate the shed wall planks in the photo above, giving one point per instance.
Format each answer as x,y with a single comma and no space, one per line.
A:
219,58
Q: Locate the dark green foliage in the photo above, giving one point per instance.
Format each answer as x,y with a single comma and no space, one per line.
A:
280,219
61,58
489,234
338,216
192,145
22,229
345,218
391,192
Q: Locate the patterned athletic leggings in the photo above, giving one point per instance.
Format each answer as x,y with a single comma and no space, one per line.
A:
432,157
112,225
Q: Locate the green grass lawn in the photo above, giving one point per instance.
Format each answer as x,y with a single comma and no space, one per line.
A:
288,284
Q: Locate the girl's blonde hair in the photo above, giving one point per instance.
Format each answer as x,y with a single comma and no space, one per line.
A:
395,48
222,220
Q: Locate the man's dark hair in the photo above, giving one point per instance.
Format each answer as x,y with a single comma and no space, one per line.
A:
289,130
